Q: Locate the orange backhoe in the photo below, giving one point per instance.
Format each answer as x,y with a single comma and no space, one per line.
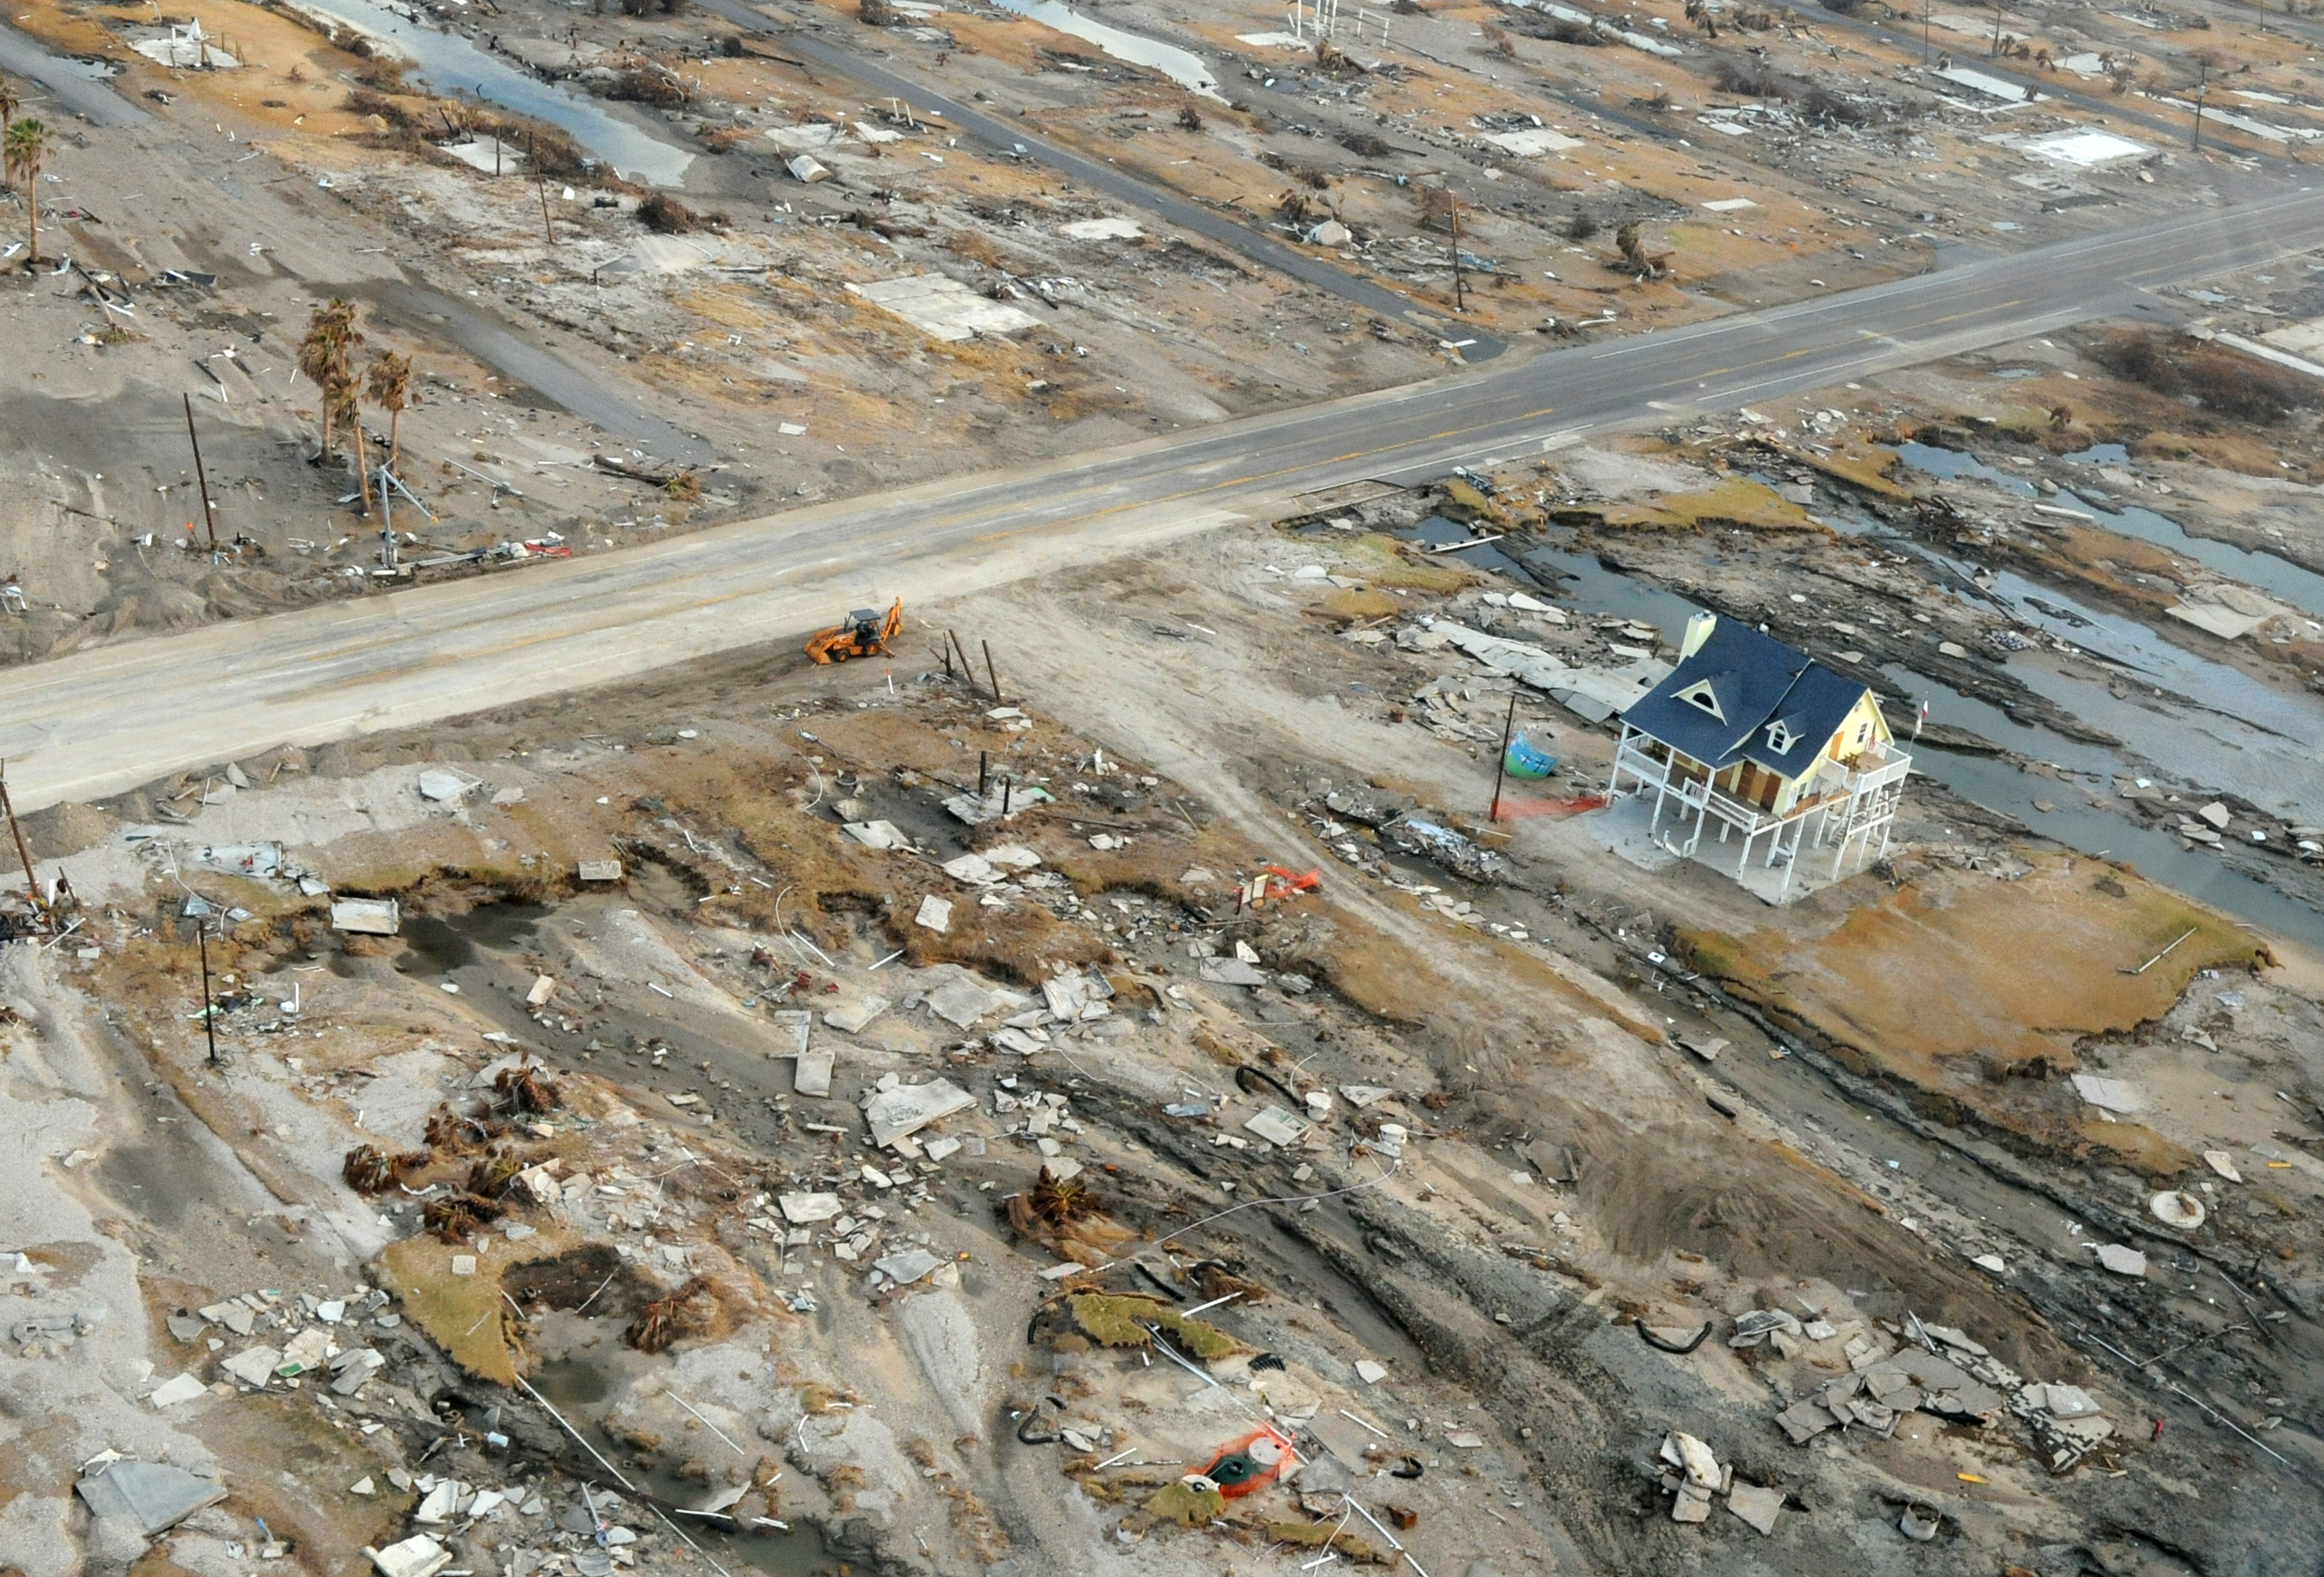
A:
866,634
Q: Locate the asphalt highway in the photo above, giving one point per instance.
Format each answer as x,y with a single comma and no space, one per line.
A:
108,719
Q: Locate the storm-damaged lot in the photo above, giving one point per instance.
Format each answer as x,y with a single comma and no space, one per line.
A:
789,1120
1200,1062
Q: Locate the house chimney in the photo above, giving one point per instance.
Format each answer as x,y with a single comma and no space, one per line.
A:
1698,631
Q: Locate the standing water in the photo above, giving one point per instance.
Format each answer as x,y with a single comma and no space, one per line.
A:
456,66
1185,69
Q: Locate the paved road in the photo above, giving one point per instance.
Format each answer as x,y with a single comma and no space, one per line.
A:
1210,224
105,720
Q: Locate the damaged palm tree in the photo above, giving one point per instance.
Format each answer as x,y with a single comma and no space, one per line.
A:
524,1089
460,1216
455,1135
1058,1200
1648,265
665,1319
368,1169
492,1172
1064,1215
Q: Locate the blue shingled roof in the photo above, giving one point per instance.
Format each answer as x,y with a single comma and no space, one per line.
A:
1754,681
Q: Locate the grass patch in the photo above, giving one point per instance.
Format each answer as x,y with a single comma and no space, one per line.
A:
1956,982
462,1314
1736,501
1870,466
1382,559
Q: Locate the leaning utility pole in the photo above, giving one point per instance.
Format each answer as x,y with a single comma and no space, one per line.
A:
32,883
209,516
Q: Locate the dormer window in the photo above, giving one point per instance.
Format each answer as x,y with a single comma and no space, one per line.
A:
1699,694
1780,737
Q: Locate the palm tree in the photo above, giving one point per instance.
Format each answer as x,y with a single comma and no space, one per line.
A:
324,357
21,153
8,102
390,391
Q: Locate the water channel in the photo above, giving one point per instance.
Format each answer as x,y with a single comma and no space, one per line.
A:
456,66
1184,68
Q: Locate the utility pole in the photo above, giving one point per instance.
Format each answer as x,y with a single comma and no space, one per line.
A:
1997,28
1501,762
32,883
210,1006
1460,286
209,516
2202,91
540,185
1925,7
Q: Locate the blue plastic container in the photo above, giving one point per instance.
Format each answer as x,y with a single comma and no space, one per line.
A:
1524,761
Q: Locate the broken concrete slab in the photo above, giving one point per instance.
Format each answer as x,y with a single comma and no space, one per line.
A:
811,1074
155,1495
1106,229
2110,1094
943,308
598,870
907,1109
417,1556
254,1366
1804,1420
907,1265
1756,1506
184,1388
850,1018
934,914
805,1209
960,1001
1231,971
973,868
445,787
2224,1164
878,835
2122,1259
367,917
1277,1127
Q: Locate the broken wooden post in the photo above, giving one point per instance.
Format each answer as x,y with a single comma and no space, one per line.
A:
967,668
982,758
1501,762
990,673
32,883
209,519
1008,789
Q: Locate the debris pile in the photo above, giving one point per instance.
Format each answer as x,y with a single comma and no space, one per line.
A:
1936,1370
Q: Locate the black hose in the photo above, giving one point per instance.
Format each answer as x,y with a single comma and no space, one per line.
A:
1244,1075
1659,1345
1167,1290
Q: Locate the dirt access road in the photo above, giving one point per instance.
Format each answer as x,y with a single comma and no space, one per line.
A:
107,720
